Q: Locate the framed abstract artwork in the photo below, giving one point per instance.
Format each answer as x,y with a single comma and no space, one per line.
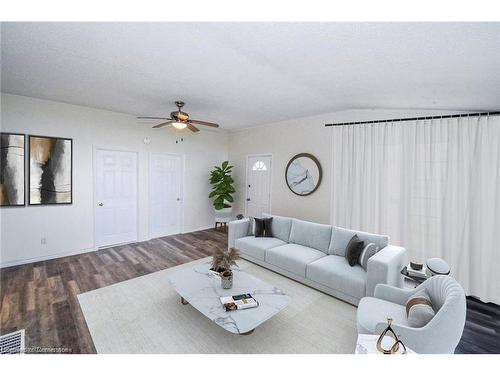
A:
303,174
50,170
12,170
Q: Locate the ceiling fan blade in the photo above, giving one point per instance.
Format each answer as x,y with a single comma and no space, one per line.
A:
206,123
153,118
163,124
192,127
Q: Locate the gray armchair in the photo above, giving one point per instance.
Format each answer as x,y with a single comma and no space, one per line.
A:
441,335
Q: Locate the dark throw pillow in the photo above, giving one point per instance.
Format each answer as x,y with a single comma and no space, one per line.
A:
258,229
353,250
268,223
263,227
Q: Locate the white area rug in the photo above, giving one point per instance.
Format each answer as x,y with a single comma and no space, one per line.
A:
144,315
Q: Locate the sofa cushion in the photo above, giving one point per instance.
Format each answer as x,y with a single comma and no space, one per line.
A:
293,258
280,226
342,236
372,311
257,246
310,234
334,272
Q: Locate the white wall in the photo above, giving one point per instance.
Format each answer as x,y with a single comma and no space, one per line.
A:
70,229
284,140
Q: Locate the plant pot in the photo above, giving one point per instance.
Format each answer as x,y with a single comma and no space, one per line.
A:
226,279
224,212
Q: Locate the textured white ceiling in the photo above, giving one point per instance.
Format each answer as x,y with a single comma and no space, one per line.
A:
245,74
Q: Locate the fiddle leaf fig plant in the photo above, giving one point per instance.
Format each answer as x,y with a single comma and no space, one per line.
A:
222,186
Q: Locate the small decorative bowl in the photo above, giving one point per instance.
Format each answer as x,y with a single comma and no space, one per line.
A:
416,266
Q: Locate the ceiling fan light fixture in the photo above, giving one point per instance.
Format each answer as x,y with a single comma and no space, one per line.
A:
179,125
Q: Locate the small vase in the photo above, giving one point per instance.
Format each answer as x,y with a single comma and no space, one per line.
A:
226,279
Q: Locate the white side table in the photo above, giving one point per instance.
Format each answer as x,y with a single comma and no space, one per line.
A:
367,344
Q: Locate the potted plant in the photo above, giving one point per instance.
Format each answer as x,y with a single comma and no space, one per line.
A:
222,188
222,261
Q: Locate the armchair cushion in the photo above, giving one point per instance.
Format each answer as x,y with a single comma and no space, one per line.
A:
372,311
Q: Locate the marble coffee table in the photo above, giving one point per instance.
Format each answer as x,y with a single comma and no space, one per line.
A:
201,289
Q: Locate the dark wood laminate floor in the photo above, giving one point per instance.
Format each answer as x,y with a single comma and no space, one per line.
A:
41,297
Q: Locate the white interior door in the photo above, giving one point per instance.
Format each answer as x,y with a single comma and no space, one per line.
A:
258,198
165,212
116,197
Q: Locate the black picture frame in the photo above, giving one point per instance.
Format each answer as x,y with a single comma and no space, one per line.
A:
29,170
24,171
318,164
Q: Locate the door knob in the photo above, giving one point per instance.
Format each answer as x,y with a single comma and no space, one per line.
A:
101,204
248,199
178,199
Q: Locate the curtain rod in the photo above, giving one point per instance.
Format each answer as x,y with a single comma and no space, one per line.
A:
416,118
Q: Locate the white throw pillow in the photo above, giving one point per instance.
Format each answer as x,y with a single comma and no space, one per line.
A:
369,251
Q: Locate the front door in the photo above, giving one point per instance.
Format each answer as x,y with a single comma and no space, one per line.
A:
258,199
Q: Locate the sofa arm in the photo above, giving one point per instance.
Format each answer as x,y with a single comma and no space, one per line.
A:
237,229
385,268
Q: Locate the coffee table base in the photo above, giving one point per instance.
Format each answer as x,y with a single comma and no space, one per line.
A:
184,302
247,333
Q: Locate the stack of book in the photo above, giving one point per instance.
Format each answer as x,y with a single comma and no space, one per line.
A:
239,302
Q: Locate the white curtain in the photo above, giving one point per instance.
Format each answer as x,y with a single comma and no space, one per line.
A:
432,185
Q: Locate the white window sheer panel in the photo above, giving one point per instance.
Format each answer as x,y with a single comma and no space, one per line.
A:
432,185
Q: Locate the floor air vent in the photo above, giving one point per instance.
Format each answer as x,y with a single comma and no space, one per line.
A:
12,343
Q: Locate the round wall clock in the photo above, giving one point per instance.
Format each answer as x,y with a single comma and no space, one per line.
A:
303,174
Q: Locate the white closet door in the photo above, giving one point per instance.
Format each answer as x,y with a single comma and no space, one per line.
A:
116,197
165,194
258,199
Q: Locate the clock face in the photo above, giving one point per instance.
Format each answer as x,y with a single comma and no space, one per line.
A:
303,174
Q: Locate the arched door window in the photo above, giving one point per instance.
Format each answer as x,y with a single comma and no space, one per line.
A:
259,166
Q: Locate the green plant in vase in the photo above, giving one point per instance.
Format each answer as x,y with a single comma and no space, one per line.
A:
222,186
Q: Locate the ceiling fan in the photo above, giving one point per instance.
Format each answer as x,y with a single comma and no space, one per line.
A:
180,120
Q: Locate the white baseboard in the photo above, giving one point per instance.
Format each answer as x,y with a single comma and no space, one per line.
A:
197,229
45,257
69,253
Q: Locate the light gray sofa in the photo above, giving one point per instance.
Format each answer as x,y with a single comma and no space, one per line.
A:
314,254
